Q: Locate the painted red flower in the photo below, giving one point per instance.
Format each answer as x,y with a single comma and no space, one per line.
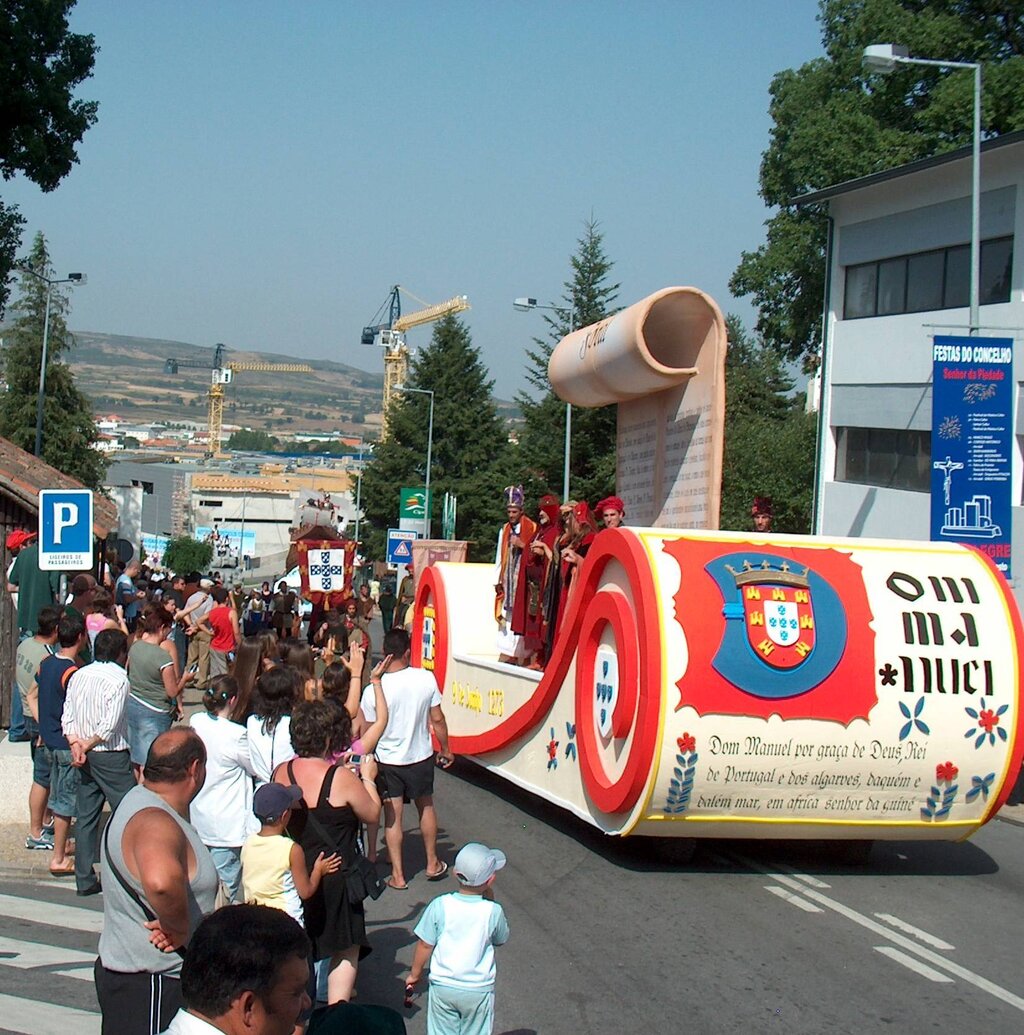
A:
686,743
552,748
988,720
946,771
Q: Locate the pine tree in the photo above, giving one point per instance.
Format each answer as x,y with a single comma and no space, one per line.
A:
590,298
769,439
69,430
470,446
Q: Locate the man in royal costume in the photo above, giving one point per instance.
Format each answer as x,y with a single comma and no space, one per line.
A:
516,534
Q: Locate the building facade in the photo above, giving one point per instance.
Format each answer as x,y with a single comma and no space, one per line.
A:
898,275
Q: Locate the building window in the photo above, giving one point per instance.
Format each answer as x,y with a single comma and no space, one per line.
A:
211,503
887,457
918,283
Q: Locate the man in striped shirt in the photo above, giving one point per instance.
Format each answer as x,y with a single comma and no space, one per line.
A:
96,727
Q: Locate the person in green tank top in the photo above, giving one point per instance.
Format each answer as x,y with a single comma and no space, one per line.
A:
153,702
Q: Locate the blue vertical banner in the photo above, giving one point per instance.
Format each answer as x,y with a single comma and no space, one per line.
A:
972,443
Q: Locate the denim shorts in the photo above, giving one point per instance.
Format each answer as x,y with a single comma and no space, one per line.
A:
64,781
40,764
144,726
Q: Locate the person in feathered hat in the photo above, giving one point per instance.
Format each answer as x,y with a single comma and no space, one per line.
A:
516,534
611,511
762,513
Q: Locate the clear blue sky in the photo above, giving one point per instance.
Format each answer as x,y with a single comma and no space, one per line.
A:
262,172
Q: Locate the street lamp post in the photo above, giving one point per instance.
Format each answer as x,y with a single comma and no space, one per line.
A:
883,58
430,447
71,278
524,305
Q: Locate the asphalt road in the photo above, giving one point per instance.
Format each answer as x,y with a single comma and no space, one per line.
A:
613,935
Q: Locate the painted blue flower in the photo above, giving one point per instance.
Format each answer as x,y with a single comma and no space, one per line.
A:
914,720
980,785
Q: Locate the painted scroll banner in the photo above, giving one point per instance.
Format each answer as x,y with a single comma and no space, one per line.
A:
662,360
972,444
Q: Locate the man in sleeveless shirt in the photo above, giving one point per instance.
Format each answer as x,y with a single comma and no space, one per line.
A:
159,881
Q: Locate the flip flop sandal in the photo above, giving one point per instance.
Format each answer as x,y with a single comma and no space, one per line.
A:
441,873
68,870
395,887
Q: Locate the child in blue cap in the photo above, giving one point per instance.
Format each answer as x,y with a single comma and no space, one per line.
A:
457,934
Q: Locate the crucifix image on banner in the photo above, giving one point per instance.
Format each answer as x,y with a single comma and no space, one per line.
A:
972,444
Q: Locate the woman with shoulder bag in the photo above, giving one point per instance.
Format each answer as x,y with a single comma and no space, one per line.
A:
337,801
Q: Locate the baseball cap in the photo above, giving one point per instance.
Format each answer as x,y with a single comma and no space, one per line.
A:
476,864
272,800
18,538
206,583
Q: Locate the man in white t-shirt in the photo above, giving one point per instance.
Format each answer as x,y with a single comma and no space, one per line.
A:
405,753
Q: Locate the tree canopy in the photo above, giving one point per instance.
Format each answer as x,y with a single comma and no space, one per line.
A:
252,441
185,555
769,438
41,121
69,429
470,455
835,121
590,297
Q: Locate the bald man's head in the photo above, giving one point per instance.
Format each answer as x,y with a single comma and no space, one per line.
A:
172,756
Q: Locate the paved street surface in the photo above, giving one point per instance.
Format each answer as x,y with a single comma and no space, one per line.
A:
611,936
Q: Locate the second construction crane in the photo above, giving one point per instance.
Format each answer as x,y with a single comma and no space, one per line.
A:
390,334
221,375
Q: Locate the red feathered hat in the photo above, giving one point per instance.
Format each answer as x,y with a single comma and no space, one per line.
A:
762,505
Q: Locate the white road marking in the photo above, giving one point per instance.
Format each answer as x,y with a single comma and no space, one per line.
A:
904,943
24,955
912,964
51,913
805,877
921,936
34,1018
796,900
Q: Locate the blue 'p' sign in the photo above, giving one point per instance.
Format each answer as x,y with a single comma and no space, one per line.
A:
65,529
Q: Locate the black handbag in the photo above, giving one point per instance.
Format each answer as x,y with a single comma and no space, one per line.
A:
362,881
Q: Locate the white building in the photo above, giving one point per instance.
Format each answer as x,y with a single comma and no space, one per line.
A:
898,274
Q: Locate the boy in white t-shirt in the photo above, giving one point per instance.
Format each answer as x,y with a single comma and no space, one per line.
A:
457,934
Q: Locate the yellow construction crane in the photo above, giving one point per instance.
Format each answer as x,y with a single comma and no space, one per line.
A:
221,375
391,336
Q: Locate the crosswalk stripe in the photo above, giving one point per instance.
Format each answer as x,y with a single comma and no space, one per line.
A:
76,919
73,962
31,1017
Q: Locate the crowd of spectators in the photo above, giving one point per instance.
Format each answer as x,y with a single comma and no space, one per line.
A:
272,793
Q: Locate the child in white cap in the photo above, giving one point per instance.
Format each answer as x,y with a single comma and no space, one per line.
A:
457,934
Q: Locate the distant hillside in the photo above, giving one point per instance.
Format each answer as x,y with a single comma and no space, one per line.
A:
125,375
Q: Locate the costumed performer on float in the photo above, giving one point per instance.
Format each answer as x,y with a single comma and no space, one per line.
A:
611,511
762,512
517,532
530,602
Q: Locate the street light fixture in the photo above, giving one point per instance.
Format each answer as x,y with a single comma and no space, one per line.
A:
430,447
71,278
884,58
524,305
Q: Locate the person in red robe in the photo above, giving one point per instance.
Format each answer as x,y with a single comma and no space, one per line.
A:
530,590
578,531
517,532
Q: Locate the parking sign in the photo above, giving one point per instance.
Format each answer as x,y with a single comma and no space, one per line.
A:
65,529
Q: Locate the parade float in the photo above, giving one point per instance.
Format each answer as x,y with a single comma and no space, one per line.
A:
716,684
